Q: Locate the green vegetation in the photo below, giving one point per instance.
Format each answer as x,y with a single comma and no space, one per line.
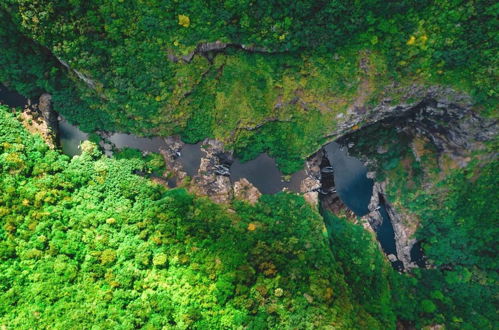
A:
153,162
86,243
368,272
459,234
458,214
324,57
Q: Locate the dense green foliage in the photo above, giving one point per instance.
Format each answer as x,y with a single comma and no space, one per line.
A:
153,162
458,212
86,243
459,234
368,272
324,57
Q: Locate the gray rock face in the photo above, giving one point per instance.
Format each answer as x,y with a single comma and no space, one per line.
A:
213,176
440,115
89,82
311,184
404,225
48,114
171,156
211,179
244,190
215,46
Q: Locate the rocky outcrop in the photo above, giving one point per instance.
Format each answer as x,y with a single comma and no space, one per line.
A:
36,125
48,114
311,184
40,118
320,168
88,81
404,225
216,46
171,155
440,114
212,178
244,190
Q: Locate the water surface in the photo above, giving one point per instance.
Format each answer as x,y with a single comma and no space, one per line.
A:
11,98
122,140
190,157
262,172
352,184
70,137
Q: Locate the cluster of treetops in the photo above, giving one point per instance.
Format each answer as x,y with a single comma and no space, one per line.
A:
86,242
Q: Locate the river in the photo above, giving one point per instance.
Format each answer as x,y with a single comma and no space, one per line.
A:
351,182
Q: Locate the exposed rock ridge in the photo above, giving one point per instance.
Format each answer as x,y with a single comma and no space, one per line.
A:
88,81
40,118
213,176
404,225
171,155
443,115
216,46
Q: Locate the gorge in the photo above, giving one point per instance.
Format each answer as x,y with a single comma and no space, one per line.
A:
341,183
249,164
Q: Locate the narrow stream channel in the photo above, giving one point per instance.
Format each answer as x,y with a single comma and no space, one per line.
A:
355,190
352,184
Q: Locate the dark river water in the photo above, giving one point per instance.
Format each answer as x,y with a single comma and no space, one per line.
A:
70,138
12,99
352,185
355,190
262,171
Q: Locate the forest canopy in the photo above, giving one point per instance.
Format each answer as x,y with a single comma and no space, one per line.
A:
304,63
92,242
88,239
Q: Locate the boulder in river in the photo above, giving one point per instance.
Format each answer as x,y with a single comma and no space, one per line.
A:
170,154
244,190
210,179
48,114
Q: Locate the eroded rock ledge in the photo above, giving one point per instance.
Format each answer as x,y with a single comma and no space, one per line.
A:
440,115
40,118
213,176
213,47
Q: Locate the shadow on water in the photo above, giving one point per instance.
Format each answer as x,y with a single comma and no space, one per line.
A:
11,98
294,183
262,172
70,137
355,190
385,232
386,236
190,158
417,255
352,184
122,140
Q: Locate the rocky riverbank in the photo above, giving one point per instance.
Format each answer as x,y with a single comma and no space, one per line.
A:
438,115
39,118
